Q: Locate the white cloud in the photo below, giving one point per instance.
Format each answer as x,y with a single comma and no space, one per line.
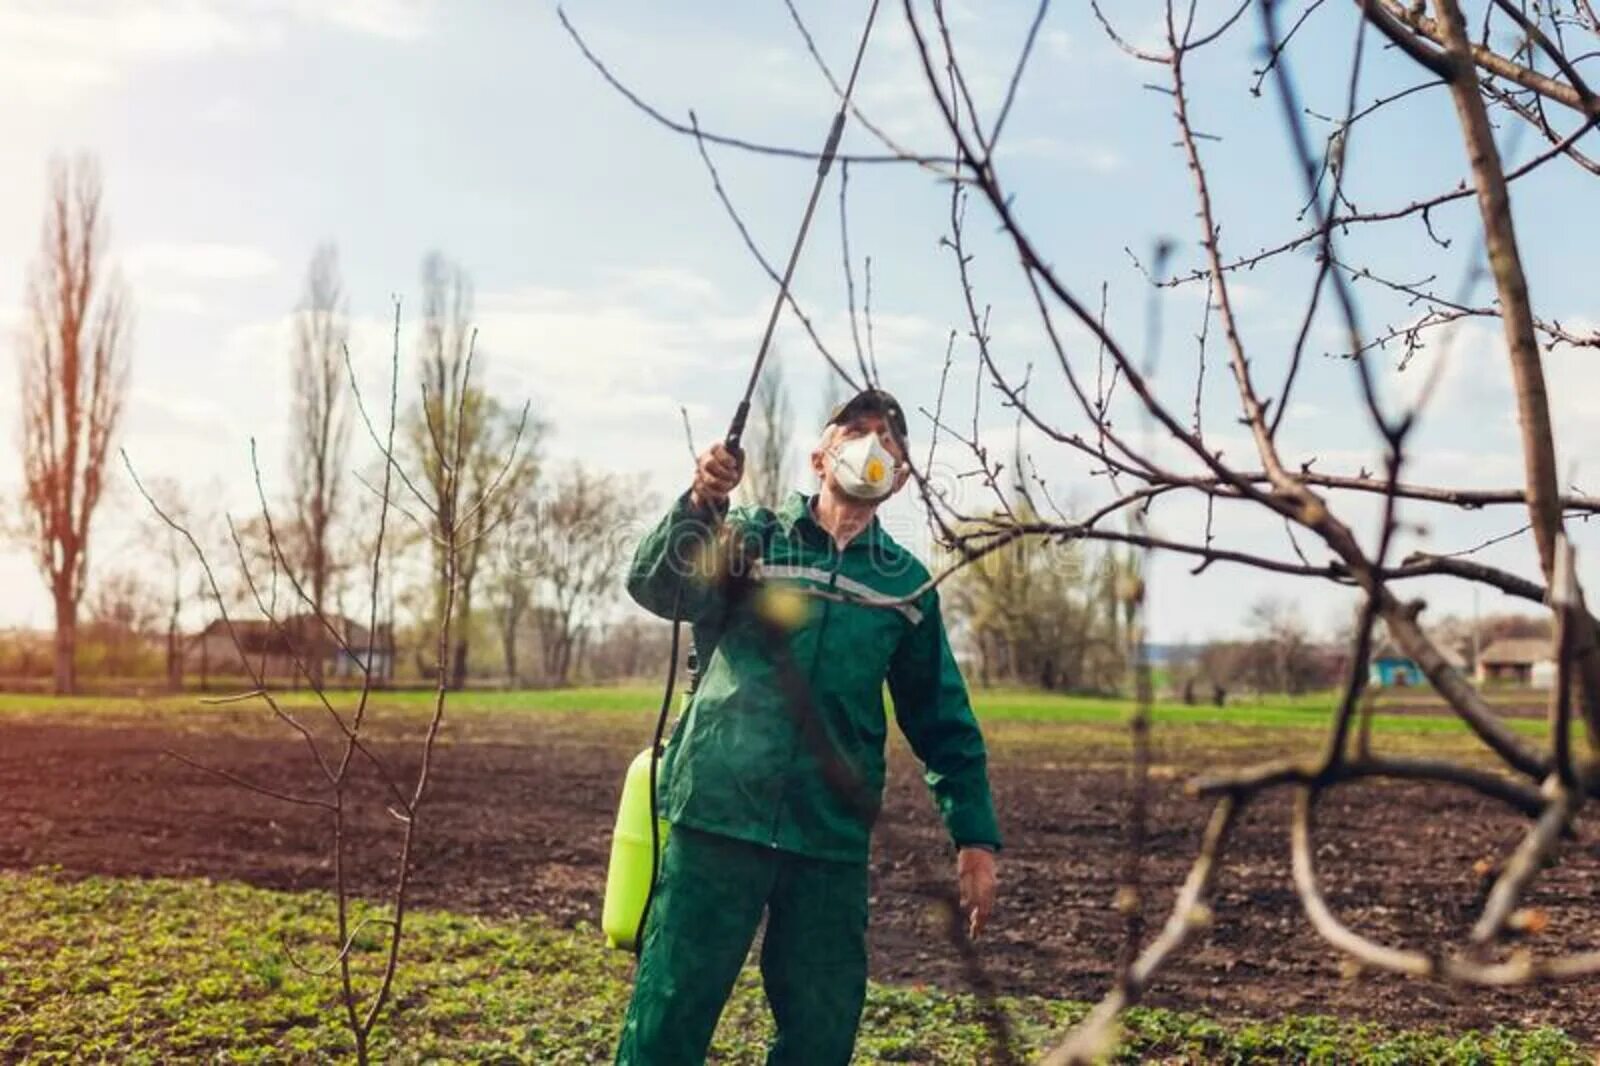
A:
134,28
204,261
1453,369
52,45
1102,159
396,19
596,347
1474,388
895,338
180,303
607,368
268,343
672,282
178,412
223,110
56,47
1243,295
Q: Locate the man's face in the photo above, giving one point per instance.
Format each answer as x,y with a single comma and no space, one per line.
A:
823,460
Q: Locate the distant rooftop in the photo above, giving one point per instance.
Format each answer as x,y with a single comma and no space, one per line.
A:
1511,651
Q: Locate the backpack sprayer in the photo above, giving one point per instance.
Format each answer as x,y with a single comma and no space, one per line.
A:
640,834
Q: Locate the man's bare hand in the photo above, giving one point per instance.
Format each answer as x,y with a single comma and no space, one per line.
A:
975,872
716,474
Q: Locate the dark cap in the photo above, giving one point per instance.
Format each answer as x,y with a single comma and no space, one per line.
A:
871,401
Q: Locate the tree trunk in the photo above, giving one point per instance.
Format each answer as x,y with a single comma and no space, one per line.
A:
458,655
564,666
174,656
66,672
314,656
508,642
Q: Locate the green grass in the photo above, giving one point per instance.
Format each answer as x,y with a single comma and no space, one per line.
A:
992,705
599,698
160,970
1273,712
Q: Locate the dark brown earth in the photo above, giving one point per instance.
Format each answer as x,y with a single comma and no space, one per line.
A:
519,814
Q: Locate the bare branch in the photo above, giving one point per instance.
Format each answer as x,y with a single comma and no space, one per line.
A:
895,156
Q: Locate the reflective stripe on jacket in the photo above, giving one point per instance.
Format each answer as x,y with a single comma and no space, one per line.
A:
783,743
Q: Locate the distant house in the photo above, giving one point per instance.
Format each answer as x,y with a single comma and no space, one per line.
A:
1393,668
282,650
1518,661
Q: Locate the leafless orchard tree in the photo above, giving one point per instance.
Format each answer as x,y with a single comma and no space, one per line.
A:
320,427
178,587
1283,634
1503,64
74,371
510,598
122,612
767,473
454,408
348,768
571,543
1043,614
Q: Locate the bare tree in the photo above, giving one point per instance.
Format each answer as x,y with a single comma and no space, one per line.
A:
178,581
1221,665
396,551
441,361
74,375
1042,614
575,539
510,596
345,768
1281,632
320,425
453,408
629,649
124,613
489,476
766,467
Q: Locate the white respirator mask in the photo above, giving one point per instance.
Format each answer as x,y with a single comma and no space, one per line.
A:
864,468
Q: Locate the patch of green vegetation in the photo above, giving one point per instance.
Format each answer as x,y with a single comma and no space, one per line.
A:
419,701
147,971
30,703
598,698
1278,712
1311,711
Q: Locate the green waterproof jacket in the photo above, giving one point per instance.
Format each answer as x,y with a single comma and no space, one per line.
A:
752,760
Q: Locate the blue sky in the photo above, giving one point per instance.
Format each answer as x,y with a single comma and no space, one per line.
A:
236,136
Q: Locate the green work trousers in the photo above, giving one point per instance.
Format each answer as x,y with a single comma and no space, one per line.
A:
707,908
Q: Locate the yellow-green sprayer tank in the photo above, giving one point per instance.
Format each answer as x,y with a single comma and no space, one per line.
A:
628,879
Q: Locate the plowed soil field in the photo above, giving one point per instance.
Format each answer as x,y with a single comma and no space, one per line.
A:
518,820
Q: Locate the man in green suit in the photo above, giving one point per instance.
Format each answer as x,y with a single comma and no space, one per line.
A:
774,776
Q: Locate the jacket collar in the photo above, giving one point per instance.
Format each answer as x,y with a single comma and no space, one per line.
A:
795,511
